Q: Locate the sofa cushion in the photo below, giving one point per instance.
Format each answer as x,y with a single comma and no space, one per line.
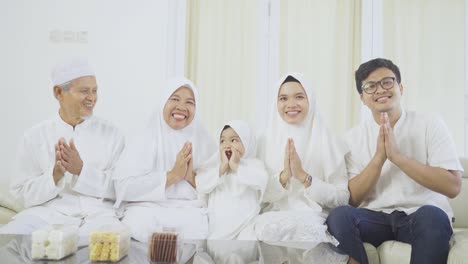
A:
397,252
394,252
5,215
372,254
459,203
459,250
6,199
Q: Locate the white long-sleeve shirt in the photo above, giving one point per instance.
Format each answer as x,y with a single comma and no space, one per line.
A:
327,193
233,198
99,145
295,196
151,187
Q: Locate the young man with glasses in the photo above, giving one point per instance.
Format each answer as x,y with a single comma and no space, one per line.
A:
402,167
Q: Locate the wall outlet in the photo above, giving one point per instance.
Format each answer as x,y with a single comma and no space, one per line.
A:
68,36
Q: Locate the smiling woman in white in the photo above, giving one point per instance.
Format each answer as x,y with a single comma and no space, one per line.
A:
66,163
306,166
156,173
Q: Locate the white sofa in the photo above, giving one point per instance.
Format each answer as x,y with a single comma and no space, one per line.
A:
392,252
8,207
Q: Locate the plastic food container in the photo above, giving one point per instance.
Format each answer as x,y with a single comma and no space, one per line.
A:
164,246
54,242
109,244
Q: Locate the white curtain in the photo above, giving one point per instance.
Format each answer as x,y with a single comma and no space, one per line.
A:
322,39
222,59
425,38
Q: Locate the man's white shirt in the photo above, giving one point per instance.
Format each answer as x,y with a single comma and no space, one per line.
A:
420,137
99,145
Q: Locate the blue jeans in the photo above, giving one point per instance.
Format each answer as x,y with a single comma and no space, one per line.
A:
428,230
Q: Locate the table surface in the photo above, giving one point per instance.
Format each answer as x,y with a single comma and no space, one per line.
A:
17,249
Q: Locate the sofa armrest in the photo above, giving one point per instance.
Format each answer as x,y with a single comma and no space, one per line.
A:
459,203
5,215
459,247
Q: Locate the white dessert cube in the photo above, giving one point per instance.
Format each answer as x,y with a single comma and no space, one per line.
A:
54,242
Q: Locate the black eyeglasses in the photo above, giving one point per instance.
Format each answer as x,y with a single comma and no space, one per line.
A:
371,87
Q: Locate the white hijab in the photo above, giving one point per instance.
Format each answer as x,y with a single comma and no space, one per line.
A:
169,141
253,167
157,146
248,141
246,136
321,154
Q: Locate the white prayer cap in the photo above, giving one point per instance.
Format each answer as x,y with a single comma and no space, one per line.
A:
70,69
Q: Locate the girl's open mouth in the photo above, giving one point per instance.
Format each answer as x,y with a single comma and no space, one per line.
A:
228,154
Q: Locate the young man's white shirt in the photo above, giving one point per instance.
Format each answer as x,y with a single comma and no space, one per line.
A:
420,137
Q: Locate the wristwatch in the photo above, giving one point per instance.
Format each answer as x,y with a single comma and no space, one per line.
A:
308,179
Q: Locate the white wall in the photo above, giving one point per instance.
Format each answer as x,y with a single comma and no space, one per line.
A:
133,46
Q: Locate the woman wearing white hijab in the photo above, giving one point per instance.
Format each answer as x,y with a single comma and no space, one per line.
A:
306,166
156,174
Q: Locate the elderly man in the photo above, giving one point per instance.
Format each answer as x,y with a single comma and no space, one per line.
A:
66,163
402,166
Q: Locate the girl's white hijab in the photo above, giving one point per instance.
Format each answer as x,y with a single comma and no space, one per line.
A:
157,146
320,152
247,138
252,165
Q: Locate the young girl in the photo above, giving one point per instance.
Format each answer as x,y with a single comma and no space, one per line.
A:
234,182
